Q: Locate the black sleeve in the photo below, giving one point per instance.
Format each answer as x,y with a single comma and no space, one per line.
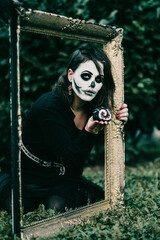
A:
56,133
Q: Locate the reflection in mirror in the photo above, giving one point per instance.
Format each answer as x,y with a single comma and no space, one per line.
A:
61,91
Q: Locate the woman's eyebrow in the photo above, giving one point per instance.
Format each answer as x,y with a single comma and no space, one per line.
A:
86,71
101,75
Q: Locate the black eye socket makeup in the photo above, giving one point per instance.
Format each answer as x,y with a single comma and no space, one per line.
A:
86,76
99,79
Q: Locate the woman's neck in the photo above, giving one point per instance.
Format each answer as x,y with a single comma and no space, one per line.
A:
80,113
78,104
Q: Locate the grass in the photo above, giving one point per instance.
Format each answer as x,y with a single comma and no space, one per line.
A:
138,220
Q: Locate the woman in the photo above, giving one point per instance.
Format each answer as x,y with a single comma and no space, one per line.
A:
59,133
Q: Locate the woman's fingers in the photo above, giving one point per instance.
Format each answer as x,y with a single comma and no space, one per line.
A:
122,114
125,119
101,122
123,106
99,126
124,110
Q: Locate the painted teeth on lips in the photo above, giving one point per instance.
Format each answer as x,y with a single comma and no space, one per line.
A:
89,92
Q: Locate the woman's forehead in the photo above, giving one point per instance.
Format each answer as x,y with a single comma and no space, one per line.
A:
90,66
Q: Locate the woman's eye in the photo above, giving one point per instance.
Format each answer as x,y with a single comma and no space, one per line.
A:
99,79
85,76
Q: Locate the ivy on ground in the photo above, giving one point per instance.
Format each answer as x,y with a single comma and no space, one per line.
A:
139,219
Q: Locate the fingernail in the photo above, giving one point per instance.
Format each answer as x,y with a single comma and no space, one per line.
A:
121,108
118,113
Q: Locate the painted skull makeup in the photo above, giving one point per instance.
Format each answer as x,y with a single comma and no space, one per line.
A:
87,81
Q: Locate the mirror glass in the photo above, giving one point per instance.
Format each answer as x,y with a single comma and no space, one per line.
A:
42,60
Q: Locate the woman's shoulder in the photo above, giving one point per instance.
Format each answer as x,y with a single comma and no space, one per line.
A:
49,101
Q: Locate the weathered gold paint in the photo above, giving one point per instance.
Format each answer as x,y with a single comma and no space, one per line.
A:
61,26
114,134
111,38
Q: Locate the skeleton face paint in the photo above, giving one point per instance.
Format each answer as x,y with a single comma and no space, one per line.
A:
87,80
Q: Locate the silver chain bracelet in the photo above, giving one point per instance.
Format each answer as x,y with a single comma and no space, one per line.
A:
42,162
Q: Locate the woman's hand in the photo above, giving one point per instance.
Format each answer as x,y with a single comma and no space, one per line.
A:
122,114
94,126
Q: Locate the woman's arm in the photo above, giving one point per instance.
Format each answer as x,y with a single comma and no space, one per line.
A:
51,123
57,135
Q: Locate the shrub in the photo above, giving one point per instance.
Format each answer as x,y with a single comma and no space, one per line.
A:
43,59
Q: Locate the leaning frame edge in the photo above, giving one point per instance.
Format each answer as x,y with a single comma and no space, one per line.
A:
114,133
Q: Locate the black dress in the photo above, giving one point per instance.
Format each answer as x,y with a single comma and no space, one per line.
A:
49,133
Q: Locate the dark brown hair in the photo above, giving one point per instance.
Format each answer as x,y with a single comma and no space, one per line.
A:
84,53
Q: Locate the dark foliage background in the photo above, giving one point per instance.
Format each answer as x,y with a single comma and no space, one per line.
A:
43,58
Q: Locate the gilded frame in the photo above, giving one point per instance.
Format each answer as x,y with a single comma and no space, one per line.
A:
111,38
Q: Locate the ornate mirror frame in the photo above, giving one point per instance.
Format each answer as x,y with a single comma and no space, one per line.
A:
111,38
